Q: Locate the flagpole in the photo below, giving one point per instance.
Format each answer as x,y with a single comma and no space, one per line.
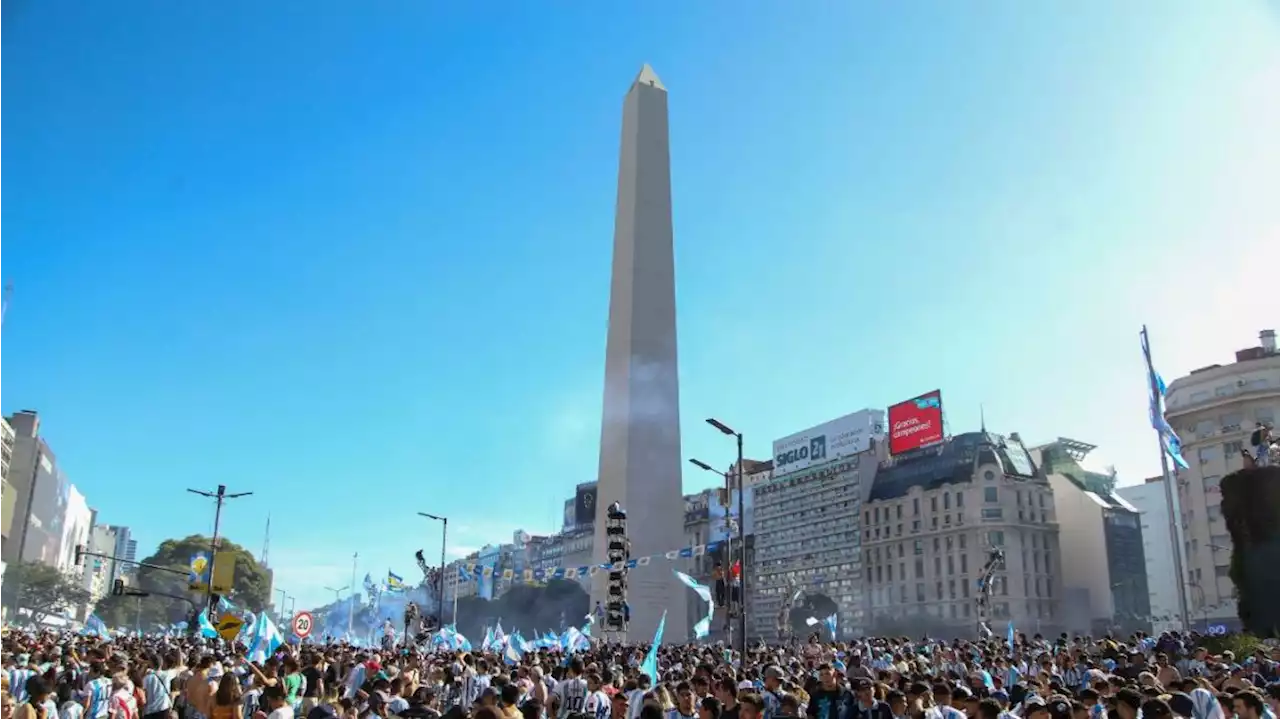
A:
351,615
1154,388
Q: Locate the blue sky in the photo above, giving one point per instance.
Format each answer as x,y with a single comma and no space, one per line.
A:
354,257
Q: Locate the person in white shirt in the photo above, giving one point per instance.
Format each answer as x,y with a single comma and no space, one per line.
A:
280,708
570,695
598,704
122,705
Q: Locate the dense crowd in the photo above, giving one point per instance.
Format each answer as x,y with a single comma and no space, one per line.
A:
60,676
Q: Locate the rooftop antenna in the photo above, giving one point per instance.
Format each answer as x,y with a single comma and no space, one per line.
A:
982,415
4,304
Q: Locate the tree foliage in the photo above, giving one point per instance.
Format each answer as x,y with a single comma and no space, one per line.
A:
41,589
1251,508
170,600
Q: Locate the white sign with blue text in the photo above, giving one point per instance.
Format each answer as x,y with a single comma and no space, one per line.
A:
842,437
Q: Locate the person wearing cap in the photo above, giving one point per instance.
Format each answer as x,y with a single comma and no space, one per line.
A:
865,705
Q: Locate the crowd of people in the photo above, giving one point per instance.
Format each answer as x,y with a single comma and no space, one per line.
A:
51,675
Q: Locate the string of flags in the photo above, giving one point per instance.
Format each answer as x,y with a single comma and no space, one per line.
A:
470,570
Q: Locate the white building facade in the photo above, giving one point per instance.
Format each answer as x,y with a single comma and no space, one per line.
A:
1162,578
1214,410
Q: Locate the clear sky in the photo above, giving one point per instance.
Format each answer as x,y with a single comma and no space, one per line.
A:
354,256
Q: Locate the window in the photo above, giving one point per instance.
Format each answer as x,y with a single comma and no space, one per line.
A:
946,500
964,564
959,499
962,542
992,513
899,511
951,565
933,504
920,591
1208,454
866,517
995,538
1232,449
937,566
915,507
1231,421
990,494
919,569
919,547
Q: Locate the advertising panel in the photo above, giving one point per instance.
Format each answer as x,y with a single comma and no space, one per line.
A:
569,519
584,512
848,435
915,423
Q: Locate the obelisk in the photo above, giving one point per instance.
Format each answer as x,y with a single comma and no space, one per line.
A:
640,459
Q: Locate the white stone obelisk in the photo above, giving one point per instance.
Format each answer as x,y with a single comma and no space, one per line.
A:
640,460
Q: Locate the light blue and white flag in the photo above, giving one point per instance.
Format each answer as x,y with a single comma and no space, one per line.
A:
511,654
832,623
649,667
94,626
703,627
207,630
1156,394
264,640
1011,635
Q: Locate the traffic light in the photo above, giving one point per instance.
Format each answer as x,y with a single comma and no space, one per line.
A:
79,555
117,587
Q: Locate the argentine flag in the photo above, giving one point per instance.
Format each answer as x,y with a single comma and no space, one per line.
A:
264,640
94,626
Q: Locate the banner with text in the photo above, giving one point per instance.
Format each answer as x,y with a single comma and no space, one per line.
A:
915,423
842,437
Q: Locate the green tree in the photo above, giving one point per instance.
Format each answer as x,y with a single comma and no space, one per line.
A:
41,589
170,600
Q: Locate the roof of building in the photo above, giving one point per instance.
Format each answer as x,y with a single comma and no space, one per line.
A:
951,462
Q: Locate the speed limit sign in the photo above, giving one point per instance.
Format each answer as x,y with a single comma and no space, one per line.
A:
302,624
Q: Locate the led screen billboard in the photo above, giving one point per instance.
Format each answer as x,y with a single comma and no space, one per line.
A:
915,423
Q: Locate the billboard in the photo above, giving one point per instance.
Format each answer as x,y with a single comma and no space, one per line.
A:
568,514
584,505
915,423
848,435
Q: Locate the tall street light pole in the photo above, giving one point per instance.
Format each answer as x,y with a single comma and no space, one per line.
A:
219,497
351,615
742,541
444,540
728,541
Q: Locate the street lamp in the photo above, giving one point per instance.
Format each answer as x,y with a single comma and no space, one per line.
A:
337,593
444,540
728,535
219,497
742,542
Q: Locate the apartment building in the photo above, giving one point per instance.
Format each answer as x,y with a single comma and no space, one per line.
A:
1214,409
807,536
1157,550
1104,570
932,520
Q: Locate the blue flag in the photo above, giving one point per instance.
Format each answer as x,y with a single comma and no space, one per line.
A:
649,667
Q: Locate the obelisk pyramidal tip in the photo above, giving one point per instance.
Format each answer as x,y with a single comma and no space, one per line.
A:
640,462
648,77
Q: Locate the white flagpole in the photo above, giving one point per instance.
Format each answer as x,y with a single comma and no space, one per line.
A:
1169,494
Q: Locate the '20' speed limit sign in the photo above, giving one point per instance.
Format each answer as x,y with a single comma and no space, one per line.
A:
302,624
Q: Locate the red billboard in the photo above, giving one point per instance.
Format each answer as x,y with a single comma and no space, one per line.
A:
915,423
